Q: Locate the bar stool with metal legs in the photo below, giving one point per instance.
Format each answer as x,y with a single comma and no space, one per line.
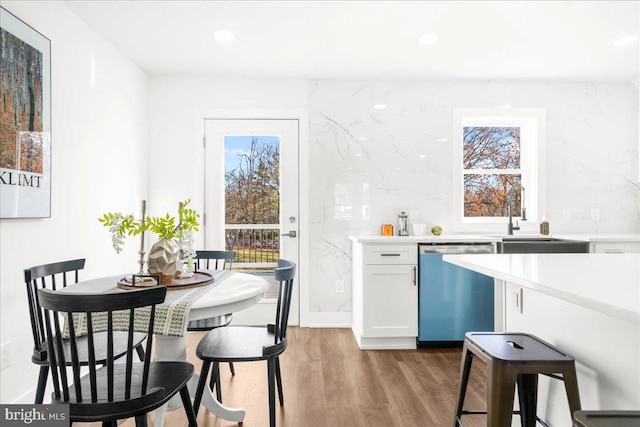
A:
606,419
514,359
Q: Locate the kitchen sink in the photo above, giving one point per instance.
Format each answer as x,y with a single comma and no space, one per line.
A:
540,245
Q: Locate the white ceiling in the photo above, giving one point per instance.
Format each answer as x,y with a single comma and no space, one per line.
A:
373,39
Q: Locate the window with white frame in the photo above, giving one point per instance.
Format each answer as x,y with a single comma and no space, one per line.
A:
497,166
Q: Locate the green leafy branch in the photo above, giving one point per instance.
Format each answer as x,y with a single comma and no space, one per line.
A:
165,227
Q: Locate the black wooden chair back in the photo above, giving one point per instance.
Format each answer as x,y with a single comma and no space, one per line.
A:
50,276
99,391
285,275
214,260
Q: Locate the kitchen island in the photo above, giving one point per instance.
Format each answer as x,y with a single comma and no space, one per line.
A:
587,305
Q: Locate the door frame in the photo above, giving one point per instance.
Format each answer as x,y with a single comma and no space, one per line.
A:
303,179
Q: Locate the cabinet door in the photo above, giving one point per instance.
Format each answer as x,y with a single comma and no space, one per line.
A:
390,301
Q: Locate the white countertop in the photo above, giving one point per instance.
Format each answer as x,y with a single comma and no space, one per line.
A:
425,239
595,238
461,237
608,283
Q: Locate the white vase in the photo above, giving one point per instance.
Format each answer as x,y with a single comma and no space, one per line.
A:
163,257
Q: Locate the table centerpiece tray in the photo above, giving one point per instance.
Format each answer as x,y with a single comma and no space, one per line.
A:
199,278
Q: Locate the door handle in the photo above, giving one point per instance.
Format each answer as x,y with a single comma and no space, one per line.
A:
415,276
291,233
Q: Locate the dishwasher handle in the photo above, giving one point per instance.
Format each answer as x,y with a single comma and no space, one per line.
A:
485,248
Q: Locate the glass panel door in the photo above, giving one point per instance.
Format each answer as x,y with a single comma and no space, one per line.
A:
251,200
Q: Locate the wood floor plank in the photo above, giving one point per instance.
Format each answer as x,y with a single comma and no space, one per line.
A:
329,382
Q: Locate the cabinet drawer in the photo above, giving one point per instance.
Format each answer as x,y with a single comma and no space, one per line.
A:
391,254
617,248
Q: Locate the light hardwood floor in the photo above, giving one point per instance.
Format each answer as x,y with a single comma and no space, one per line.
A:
329,382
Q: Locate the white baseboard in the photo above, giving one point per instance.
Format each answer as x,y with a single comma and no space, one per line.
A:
340,319
385,343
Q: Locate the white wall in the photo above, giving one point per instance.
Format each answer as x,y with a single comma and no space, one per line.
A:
592,150
99,163
177,125
591,161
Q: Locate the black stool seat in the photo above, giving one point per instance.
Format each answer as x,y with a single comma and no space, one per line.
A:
514,359
606,419
517,348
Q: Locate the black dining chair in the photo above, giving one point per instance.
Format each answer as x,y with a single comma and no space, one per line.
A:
118,390
56,276
252,343
213,260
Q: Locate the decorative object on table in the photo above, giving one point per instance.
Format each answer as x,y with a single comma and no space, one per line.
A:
25,120
403,224
387,230
436,230
175,284
141,251
173,238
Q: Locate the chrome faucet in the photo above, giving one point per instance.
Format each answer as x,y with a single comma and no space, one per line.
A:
510,226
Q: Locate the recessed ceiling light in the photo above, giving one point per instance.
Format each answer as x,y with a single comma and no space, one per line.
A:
428,39
422,156
224,35
626,41
363,138
505,106
358,155
379,106
441,140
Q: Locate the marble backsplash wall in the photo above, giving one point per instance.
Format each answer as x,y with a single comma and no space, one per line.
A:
367,165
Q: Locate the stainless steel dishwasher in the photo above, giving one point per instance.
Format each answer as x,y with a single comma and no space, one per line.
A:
452,300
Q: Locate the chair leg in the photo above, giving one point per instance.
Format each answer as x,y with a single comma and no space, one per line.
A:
571,387
500,391
110,423
202,382
465,369
528,398
271,368
231,368
188,408
215,381
42,383
279,381
140,352
141,420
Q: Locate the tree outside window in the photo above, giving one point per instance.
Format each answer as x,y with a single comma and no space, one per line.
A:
492,173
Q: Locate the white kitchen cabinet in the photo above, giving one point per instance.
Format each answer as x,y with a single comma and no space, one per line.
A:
385,295
615,247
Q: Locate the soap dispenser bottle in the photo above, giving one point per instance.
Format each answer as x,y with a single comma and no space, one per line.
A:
544,226
403,224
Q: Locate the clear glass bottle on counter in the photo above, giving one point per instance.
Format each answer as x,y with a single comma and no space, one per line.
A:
403,224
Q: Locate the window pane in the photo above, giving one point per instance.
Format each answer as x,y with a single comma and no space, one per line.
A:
252,198
486,195
252,178
491,148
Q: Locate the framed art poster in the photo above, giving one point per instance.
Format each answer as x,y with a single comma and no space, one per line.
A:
25,120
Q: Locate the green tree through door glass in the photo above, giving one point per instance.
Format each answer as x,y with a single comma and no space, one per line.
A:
252,197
